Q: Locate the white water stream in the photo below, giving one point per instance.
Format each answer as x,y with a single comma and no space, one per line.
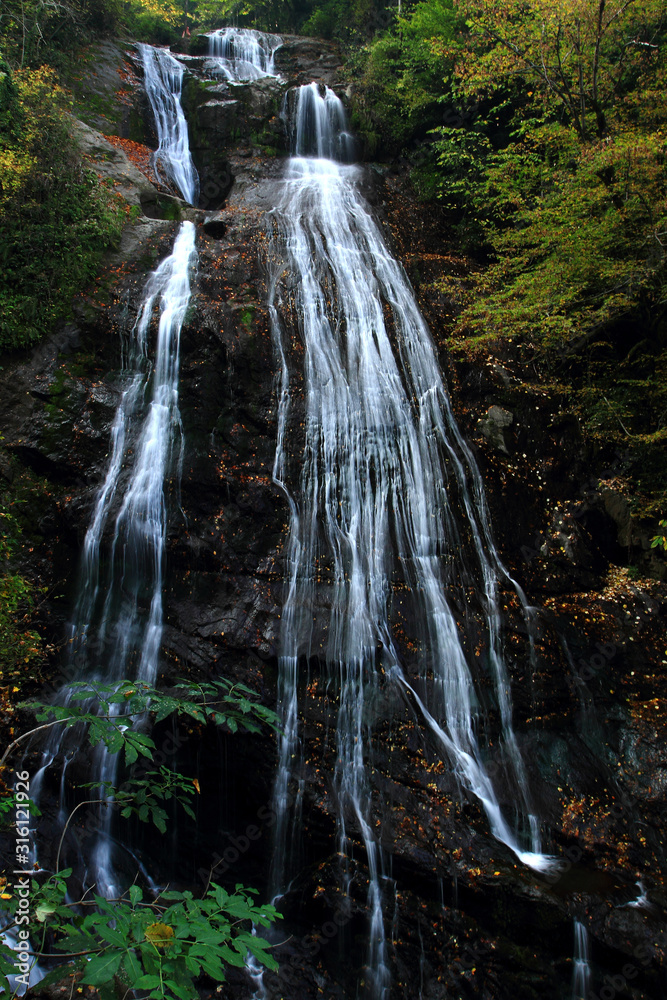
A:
385,499
581,972
117,626
163,80
118,618
238,55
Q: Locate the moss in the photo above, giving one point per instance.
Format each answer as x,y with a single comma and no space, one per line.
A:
90,106
136,127
247,317
166,208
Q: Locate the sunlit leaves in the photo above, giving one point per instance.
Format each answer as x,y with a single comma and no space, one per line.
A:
578,55
55,217
586,239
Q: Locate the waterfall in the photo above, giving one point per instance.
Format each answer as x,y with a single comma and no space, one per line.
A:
172,162
140,524
118,621
317,124
240,54
118,617
581,973
388,521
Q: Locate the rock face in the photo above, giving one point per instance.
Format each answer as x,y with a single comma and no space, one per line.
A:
463,917
495,428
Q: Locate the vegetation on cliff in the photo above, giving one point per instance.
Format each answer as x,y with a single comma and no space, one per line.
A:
56,219
20,646
539,130
160,943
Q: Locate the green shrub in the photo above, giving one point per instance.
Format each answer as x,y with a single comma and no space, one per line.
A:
20,645
56,219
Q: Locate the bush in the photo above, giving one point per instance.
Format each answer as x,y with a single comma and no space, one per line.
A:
19,645
56,219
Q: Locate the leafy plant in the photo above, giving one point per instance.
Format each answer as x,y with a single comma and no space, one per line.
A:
578,56
95,705
56,217
160,945
401,76
660,541
33,32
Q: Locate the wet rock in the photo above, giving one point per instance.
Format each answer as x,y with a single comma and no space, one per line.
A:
632,535
495,428
305,59
113,164
107,90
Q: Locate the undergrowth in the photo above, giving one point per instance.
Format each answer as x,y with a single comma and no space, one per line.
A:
56,217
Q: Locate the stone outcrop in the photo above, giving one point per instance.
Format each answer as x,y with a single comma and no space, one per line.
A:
494,426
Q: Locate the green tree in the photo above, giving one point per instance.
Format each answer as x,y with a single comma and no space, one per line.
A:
403,75
32,30
581,55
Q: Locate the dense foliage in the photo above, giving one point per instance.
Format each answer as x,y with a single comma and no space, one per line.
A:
20,645
55,217
539,130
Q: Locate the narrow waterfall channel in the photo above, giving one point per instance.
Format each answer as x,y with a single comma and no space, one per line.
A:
388,520
117,625
581,972
163,79
241,54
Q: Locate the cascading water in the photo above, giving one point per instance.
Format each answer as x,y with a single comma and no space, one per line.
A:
240,54
387,507
163,79
117,624
118,618
581,972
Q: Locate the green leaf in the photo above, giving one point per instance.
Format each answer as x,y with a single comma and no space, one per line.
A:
179,990
111,936
102,968
147,982
159,819
132,967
